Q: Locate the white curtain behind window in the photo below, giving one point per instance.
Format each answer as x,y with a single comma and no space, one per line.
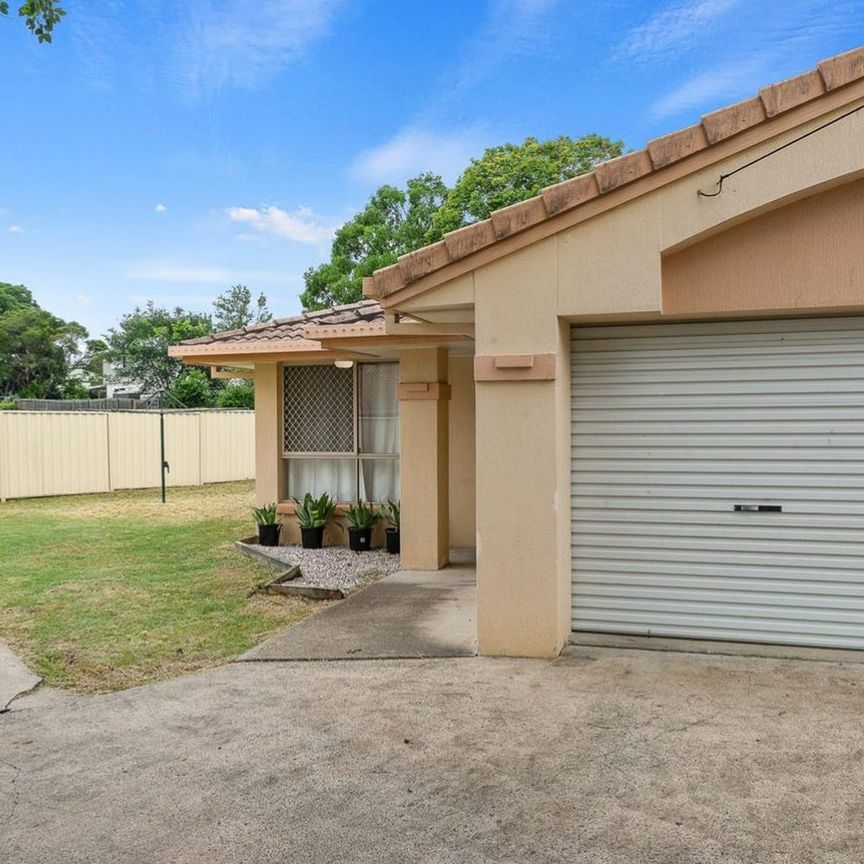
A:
337,477
379,430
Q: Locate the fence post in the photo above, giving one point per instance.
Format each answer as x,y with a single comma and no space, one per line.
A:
108,450
4,459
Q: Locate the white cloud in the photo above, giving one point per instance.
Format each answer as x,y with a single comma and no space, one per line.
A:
413,150
245,42
16,229
673,28
160,208
717,85
301,226
179,274
83,299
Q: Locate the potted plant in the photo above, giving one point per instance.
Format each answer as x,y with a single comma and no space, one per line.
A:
389,509
313,514
361,518
268,527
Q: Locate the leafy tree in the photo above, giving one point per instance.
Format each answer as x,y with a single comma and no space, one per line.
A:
40,16
234,309
511,173
193,389
38,350
237,395
394,221
138,346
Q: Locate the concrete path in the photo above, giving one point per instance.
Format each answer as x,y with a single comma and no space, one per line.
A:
603,757
407,615
15,677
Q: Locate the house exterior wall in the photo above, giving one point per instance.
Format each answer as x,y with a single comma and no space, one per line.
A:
462,475
806,256
612,268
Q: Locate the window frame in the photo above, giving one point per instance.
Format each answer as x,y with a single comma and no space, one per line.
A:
355,455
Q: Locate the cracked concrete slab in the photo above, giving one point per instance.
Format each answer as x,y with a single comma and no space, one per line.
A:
15,678
406,615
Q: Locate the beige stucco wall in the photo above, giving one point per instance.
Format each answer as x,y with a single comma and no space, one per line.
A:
461,468
424,457
608,267
268,427
808,255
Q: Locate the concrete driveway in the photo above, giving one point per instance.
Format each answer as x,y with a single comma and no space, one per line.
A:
602,756
410,614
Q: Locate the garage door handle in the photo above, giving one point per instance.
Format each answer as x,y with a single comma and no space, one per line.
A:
758,508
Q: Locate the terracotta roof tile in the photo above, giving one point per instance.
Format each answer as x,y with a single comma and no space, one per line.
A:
291,329
842,68
570,193
518,217
670,148
414,265
733,119
464,241
785,95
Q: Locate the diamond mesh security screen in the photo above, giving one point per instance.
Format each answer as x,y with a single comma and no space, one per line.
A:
319,409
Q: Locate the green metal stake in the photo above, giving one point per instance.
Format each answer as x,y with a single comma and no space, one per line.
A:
162,451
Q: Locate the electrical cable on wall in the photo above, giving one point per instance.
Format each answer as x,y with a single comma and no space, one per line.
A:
724,177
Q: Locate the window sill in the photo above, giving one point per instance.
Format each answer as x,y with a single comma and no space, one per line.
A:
288,508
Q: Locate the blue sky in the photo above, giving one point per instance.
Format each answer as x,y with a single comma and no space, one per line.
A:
164,150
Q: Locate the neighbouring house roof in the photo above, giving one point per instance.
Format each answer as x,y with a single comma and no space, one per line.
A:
293,328
431,265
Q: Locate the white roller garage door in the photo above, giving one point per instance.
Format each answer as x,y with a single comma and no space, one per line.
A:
674,427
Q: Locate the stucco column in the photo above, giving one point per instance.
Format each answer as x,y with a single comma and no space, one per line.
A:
424,458
268,429
521,371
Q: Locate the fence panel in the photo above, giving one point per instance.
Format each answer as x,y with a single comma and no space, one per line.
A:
227,446
53,454
64,453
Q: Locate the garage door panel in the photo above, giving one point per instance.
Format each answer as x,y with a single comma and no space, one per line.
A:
737,628
672,426
756,579
788,535
697,554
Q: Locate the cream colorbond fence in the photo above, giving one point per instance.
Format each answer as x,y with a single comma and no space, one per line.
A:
73,452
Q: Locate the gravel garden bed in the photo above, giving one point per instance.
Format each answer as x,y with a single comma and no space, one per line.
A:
334,567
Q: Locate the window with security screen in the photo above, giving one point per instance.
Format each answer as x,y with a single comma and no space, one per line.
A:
318,409
341,431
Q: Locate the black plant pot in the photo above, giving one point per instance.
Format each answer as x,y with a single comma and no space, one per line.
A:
313,538
392,535
268,535
359,539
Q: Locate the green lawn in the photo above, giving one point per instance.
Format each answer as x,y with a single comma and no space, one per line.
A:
103,592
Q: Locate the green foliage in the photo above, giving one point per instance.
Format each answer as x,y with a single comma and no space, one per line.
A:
394,221
314,512
511,173
397,221
237,395
389,511
7,405
38,350
362,515
40,16
265,515
138,346
193,389
233,309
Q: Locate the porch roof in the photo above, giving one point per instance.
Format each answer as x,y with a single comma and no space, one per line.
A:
310,336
